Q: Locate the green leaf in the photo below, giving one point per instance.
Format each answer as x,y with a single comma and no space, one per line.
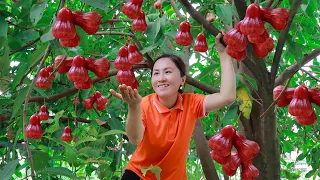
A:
85,139
231,115
19,100
224,12
4,60
20,73
112,132
40,159
59,141
101,4
55,126
41,92
70,153
8,170
206,71
92,131
251,80
58,171
148,49
36,11
47,36
154,169
3,27
310,173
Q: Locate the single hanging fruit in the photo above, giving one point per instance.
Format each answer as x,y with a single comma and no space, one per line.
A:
210,17
78,72
64,27
66,135
278,18
135,84
218,158
140,23
34,129
65,66
249,171
83,85
236,39
261,49
41,81
310,120
43,114
88,103
286,97
252,22
121,62
50,71
125,77
158,4
183,36
236,54
134,55
132,8
221,143
102,67
256,39
314,95
247,149
70,42
89,21
113,17
201,43
101,101
300,104
234,161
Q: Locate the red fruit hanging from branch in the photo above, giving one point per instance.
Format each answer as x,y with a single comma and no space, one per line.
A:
278,18
233,163
256,39
132,8
125,77
134,55
221,143
89,21
50,71
183,36
314,95
158,4
236,54
66,64
121,62
210,17
42,81
88,103
78,72
140,23
83,85
101,101
64,27
261,50
34,129
218,158
70,42
43,113
99,67
249,171
201,43
300,104
252,22
247,149
286,97
66,135
236,39
307,120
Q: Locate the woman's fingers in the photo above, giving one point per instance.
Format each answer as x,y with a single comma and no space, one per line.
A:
115,94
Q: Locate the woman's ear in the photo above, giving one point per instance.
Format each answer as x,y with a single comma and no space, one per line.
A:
183,80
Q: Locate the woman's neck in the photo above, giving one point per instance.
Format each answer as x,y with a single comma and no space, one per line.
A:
169,102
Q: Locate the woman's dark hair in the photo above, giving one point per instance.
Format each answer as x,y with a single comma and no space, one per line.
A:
177,61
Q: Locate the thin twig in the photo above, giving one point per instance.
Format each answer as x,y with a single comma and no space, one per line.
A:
175,8
25,46
56,69
270,3
25,112
21,27
96,111
276,100
311,75
116,20
30,69
113,33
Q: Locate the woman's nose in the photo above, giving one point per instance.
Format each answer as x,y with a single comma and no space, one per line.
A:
162,77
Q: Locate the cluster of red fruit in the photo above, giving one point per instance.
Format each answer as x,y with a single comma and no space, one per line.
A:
77,68
42,80
97,98
299,100
184,38
34,129
221,145
158,4
133,10
127,56
252,27
64,28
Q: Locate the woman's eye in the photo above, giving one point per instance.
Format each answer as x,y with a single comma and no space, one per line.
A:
155,73
168,72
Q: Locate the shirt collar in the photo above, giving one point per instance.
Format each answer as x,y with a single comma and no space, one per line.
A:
163,109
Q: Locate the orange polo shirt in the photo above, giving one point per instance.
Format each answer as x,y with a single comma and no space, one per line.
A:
167,136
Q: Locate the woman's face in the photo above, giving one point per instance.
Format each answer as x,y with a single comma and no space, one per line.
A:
166,78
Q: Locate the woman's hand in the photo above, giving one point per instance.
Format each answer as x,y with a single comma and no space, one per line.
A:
220,47
131,96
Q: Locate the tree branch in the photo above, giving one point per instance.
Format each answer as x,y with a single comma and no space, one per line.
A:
175,8
25,46
25,112
21,27
200,85
282,38
311,75
286,74
241,7
113,33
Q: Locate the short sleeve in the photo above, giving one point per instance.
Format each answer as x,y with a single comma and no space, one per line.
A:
198,101
143,113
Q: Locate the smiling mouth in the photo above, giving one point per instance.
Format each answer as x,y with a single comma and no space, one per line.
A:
163,85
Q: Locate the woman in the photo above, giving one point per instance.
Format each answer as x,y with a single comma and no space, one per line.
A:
161,124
